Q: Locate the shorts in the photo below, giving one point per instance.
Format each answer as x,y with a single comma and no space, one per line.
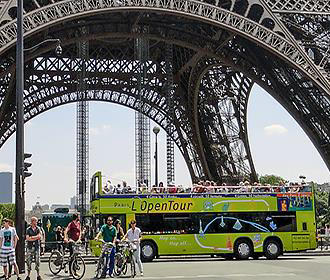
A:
7,255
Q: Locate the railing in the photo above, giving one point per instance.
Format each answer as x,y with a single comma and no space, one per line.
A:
201,189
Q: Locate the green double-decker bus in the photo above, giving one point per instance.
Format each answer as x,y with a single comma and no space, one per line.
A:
229,223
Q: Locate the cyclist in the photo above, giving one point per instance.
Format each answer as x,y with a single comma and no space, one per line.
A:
72,234
134,236
109,234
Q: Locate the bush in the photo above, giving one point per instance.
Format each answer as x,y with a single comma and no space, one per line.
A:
7,211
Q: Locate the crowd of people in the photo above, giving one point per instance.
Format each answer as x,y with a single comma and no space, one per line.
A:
73,233
206,187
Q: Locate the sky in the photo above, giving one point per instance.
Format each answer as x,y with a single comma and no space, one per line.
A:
279,146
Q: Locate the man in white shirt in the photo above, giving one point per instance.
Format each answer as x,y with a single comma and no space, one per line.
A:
134,235
8,242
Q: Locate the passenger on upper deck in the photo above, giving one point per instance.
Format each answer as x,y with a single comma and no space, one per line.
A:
161,188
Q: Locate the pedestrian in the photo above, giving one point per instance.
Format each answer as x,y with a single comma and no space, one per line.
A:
327,235
109,234
8,242
33,238
42,240
120,231
72,234
85,238
59,238
134,236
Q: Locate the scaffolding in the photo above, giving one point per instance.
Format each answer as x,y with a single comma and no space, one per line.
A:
142,123
82,171
170,113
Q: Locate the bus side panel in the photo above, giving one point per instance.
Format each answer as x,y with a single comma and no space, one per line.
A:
305,238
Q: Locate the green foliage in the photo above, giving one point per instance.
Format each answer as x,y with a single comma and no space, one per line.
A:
7,211
270,179
322,208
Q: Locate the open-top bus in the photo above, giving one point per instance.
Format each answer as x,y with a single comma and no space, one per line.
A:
227,221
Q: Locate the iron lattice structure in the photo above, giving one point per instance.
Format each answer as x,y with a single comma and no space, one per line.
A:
82,169
142,122
170,105
220,49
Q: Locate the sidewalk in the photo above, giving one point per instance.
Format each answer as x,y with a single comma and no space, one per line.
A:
316,252
46,274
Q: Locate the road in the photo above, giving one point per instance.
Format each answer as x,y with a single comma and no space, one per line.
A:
287,267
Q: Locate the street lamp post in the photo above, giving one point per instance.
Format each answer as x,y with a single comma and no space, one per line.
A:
19,168
156,130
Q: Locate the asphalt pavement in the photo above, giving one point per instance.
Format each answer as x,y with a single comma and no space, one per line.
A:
292,267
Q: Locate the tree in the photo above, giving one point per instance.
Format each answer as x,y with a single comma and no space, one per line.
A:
322,207
271,179
7,211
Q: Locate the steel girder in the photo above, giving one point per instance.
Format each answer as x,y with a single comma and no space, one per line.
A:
252,19
200,51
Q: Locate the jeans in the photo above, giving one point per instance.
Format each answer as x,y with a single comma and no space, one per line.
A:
33,253
110,261
137,258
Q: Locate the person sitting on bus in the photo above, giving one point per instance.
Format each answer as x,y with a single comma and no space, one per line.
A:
154,189
143,188
199,187
119,189
126,188
208,187
161,188
171,187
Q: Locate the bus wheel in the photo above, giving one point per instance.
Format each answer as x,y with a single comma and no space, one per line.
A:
272,249
148,251
243,249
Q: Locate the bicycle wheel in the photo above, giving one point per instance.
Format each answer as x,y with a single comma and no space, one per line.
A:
124,269
55,262
119,262
78,268
99,267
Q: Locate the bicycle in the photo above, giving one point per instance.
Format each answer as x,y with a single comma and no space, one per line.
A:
102,261
124,257
76,264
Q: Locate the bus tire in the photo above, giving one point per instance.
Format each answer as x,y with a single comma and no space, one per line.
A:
272,249
243,249
148,251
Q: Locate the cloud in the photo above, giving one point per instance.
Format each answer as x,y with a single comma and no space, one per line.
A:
275,129
94,131
106,127
103,129
6,167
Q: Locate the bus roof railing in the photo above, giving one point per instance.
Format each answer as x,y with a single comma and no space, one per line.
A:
201,189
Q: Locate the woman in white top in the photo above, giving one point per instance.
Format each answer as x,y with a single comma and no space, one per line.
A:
134,235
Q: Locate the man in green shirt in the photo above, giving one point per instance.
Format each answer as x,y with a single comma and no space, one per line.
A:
109,234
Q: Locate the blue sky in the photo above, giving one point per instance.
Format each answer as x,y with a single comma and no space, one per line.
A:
279,146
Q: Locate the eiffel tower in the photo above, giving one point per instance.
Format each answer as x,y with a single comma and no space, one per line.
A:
220,49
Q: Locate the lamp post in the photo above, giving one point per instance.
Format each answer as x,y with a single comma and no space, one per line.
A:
156,130
19,168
